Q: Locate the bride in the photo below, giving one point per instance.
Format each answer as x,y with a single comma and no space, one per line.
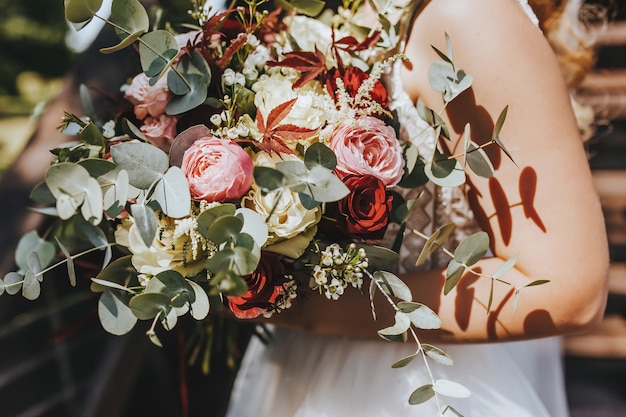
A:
323,359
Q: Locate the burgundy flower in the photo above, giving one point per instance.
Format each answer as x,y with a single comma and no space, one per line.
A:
364,213
265,287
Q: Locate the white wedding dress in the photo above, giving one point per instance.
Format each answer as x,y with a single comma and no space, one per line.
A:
300,374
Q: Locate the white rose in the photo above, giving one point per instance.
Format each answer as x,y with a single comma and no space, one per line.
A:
276,89
169,250
290,224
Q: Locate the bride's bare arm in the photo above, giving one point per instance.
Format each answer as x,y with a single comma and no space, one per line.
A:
544,210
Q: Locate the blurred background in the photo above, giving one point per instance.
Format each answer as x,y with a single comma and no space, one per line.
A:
55,360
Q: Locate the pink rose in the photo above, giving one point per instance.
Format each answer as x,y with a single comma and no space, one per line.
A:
368,146
149,100
160,131
217,169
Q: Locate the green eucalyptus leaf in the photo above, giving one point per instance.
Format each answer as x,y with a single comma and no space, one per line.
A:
404,361
434,242
454,273
392,285
130,18
244,100
13,282
71,271
478,161
116,185
200,306
320,154
324,186
172,193
160,65
124,43
29,243
91,135
115,315
472,249
268,179
146,306
253,225
131,130
207,218
109,284
146,222
174,285
154,339
120,272
537,282
97,167
239,260
192,91
72,186
2,286
420,315
224,228
144,163
504,268
379,256
450,389
169,318
229,282
153,47
31,288
421,394
41,194
437,354
398,330
81,11
448,80
432,118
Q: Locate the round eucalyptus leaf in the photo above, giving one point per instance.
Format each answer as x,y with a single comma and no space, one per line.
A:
227,281
320,154
401,325
121,272
152,336
207,217
472,249
68,179
172,193
31,288
71,271
97,167
145,163
253,225
154,45
13,282
445,172
478,161
420,315
169,319
117,193
437,354
131,130
146,306
325,186
224,228
145,221
192,93
174,285
129,17
268,179
93,202
379,256
41,194
115,315
31,242
2,287
201,305
80,11
454,272
124,43
450,389
67,205
422,394
392,285
504,268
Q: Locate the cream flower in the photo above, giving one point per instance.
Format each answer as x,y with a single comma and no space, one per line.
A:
286,218
177,246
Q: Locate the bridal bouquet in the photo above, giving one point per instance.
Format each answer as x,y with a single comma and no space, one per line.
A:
260,161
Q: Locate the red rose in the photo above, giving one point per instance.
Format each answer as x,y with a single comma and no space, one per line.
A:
265,286
352,79
364,213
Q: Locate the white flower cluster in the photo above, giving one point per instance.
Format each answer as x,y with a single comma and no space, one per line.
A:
338,269
284,301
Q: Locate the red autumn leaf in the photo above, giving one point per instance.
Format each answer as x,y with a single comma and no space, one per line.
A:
274,133
310,65
235,45
351,44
